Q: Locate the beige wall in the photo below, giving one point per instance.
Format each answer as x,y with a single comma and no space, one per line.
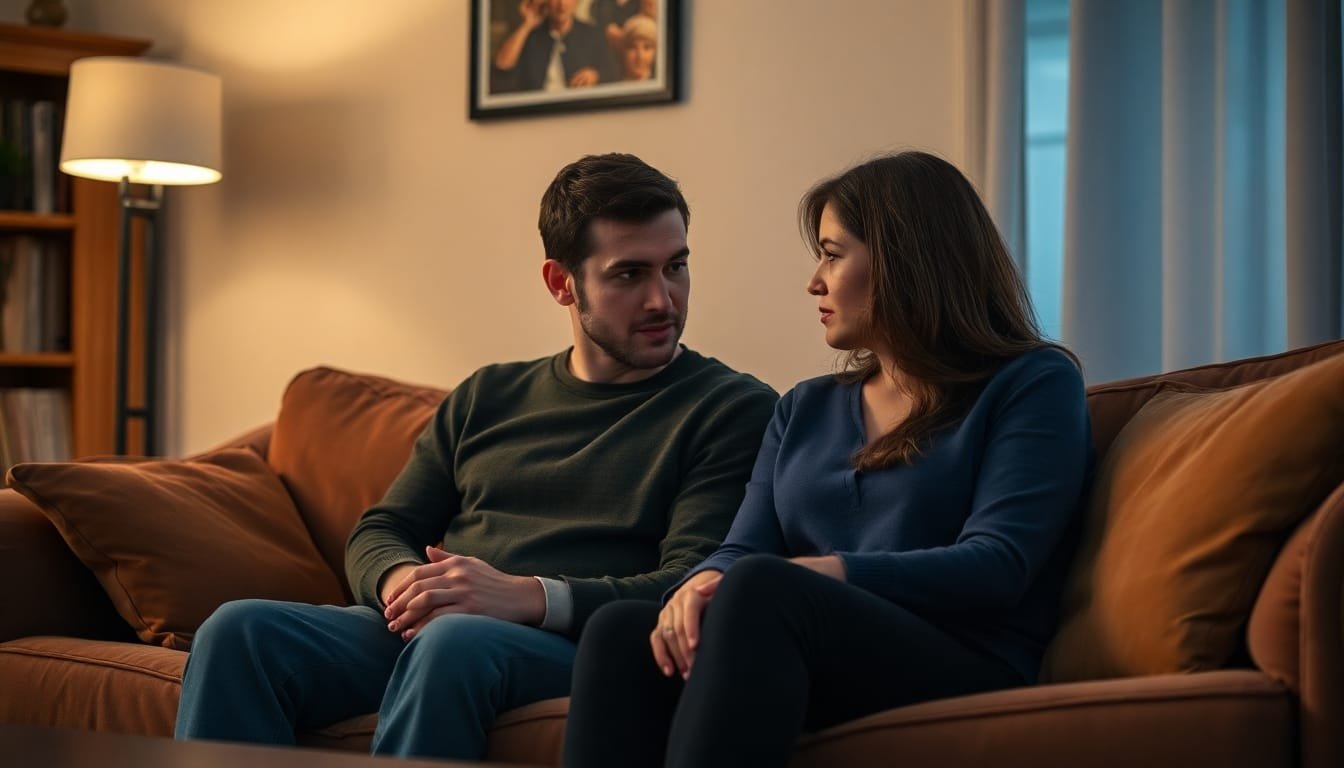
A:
364,222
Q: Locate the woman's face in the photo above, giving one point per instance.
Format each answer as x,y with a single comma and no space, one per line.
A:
842,285
638,58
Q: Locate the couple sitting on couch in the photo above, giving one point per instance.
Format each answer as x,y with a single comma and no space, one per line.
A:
903,535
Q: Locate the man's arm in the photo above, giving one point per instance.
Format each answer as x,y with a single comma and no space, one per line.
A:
506,58
413,513
702,511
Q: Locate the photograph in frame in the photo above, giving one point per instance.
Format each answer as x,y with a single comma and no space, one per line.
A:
540,56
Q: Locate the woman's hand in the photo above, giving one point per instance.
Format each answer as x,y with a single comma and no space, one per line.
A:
678,632
826,565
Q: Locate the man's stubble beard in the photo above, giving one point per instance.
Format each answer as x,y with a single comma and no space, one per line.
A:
609,342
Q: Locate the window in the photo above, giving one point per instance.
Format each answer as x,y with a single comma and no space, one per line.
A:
1047,118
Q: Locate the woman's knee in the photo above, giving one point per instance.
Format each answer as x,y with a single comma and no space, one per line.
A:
756,575
621,620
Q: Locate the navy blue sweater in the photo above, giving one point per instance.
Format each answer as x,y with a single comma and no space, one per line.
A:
974,535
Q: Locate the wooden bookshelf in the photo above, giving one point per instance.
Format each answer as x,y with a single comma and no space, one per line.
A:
20,221
34,65
37,360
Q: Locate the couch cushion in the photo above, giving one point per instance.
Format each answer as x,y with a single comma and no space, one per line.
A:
1113,404
531,735
171,540
1223,718
63,682
1229,718
339,442
1189,507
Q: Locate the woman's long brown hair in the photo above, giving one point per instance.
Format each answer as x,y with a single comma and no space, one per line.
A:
947,300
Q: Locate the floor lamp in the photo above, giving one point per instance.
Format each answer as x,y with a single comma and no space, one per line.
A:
137,121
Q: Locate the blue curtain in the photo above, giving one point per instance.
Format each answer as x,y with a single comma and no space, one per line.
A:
1202,213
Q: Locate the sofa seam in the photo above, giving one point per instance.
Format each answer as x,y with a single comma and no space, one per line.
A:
120,665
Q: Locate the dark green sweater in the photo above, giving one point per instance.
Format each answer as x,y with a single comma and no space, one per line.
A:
618,489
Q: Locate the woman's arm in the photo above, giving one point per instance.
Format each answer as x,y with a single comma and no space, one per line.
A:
755,528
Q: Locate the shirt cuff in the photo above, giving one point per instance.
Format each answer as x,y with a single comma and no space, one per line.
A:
559,605
383,571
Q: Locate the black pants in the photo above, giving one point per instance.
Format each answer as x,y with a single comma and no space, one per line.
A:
782,650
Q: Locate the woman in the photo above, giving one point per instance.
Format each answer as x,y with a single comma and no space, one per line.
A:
639,48
906,528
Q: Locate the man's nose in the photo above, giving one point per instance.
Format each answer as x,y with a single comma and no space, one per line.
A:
659,297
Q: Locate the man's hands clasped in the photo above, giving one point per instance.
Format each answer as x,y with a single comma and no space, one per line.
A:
417,594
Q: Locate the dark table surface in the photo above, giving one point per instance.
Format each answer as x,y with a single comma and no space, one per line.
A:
22,746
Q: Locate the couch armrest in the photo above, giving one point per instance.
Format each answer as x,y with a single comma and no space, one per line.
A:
48,591
1322,638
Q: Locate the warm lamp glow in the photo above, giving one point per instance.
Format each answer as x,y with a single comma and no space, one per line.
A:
146,121
141,171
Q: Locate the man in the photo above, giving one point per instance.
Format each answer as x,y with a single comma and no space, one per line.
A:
556,485
551,50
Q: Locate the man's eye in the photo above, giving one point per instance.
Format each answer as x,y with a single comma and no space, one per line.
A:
678,266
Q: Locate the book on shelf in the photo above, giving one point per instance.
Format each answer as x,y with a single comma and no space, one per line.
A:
35,425
30,137
44,156
34,294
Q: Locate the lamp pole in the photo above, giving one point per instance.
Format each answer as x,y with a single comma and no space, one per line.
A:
146,209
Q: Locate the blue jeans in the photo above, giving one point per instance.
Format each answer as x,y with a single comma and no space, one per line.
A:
259,670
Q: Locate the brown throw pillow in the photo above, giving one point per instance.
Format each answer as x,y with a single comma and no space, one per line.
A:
172,540
1191,503
340,440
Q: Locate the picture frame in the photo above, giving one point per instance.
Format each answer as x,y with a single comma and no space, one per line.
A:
612,53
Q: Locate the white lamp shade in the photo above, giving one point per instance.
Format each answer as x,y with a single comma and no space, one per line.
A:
147,121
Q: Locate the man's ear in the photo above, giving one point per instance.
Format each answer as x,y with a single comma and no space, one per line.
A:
558,281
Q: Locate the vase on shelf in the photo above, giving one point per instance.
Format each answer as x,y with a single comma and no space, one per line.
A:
45,13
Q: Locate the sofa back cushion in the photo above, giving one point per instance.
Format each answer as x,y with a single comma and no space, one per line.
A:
1113,404
1190,505
169,541
339,442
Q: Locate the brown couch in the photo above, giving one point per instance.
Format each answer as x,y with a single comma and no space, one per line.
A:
67,657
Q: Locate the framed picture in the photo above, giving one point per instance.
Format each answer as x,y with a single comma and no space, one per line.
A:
537,56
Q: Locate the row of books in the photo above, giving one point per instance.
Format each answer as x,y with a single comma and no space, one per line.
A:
34,294
30,140
34,425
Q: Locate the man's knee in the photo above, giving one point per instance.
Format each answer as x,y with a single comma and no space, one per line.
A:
239,623
460,642
464,652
